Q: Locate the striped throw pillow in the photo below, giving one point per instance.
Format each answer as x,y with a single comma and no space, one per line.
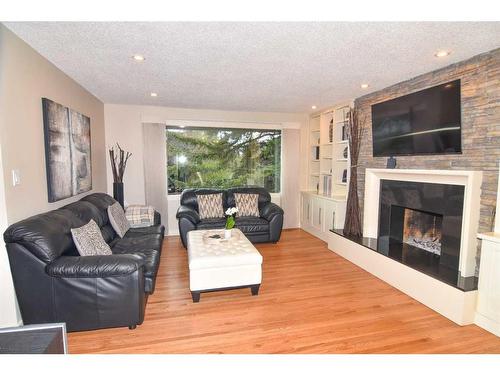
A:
247,204
210,206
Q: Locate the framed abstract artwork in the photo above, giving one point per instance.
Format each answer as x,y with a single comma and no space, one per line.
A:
67,151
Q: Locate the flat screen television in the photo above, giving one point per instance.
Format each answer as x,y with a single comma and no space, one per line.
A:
424,122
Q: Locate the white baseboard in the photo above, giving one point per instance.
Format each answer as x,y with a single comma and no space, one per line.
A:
487,324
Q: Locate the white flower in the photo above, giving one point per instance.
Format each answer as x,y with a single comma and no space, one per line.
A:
231,211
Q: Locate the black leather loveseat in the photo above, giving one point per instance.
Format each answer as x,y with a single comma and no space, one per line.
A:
55,284
266,228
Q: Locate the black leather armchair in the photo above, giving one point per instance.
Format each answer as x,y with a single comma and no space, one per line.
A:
55,284
266,228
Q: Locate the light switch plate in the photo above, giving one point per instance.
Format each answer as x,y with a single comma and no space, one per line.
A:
16,177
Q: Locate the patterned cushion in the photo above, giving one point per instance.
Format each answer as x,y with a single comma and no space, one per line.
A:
210,205
118,219
140,216
247,204
88,240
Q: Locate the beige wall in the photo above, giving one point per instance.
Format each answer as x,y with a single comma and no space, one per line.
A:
26,77
123,125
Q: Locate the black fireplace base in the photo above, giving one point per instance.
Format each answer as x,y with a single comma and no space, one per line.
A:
418,259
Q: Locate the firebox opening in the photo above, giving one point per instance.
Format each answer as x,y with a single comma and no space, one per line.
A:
421,229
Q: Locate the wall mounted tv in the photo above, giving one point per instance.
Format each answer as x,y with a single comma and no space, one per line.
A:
422,123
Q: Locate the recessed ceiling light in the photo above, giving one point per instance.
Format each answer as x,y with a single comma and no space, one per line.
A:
313,107
154,94
365,85
442,53
138,58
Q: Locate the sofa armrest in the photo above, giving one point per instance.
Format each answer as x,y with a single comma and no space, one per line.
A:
188,213
95,266
270,210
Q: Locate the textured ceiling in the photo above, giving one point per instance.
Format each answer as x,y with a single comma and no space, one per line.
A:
279,67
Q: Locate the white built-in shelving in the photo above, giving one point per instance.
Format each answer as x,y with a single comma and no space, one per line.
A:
329,155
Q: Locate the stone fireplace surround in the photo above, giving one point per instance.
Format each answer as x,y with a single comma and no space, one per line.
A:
454,302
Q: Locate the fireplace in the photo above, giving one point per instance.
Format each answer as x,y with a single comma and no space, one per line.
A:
435,264
420,225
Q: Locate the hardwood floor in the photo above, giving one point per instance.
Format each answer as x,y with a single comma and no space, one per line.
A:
311,301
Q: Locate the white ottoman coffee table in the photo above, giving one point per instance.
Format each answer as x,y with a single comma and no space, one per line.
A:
218,264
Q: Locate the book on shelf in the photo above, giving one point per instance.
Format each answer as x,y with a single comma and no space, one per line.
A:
327,185
317,152
344,175
330,132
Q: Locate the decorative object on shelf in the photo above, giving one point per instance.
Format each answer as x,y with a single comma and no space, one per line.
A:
355,128
230,212
317,152
391,162
344,175
344,135
330,131
345,153
118,159
67,151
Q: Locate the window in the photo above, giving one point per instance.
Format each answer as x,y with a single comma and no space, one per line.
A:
223,158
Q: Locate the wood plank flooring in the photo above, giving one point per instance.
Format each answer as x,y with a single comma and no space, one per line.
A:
311,301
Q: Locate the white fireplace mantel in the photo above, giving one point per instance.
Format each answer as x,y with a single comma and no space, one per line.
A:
471,180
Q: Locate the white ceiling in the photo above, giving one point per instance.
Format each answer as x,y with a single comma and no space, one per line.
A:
277,67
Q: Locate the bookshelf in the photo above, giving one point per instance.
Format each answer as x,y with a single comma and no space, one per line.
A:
329,156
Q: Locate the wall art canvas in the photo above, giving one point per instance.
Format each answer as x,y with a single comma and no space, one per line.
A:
67,151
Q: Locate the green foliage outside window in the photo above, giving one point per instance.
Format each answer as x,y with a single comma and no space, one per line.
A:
223,158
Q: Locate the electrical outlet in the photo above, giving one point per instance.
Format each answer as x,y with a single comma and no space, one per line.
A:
16,177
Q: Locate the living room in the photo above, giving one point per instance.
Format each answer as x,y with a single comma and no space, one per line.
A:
250,187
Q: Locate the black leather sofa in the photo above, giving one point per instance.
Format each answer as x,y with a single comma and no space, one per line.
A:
266,228
54,283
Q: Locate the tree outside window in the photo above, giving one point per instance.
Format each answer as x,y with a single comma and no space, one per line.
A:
223,158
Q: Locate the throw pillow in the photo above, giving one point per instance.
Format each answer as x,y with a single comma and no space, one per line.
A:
247,204
210,206
89,241
140,216
118,219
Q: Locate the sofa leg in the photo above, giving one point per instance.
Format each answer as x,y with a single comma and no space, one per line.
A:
255,289
134,326
195,296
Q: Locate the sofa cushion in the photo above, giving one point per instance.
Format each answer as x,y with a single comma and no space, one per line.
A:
214,223
118,219
102,201
247,204
88,240
252,224
154,229
86,211
139,243
210,206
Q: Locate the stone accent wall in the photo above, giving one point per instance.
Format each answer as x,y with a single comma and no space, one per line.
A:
480,95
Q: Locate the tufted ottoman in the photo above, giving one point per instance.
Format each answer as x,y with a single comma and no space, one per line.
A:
218,264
